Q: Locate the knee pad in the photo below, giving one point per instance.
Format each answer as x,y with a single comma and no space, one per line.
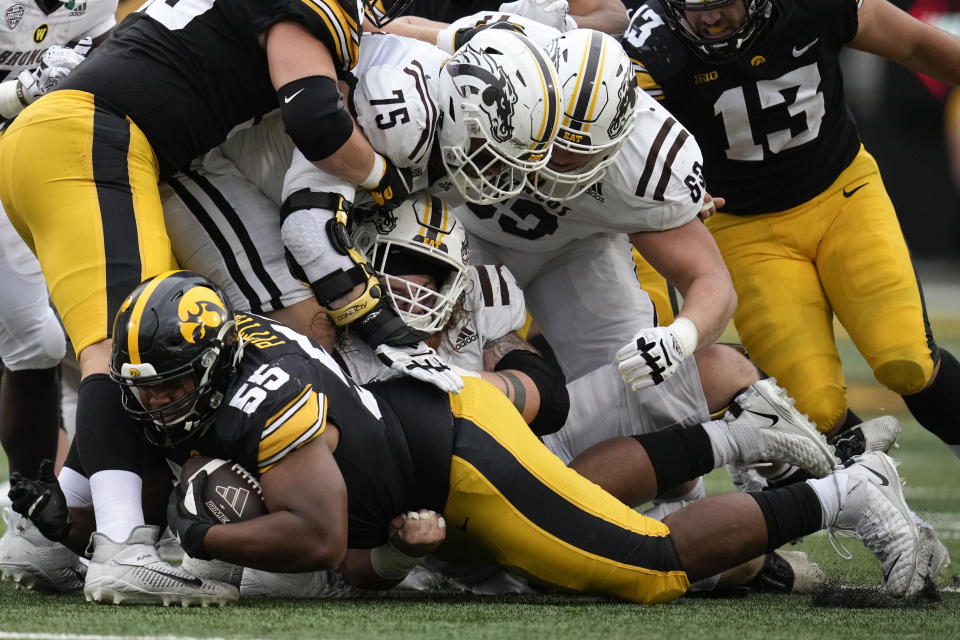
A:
26,343
904,377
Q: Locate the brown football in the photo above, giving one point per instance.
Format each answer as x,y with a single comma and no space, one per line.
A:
231,494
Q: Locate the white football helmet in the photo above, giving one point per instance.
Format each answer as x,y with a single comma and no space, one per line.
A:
423,237
500,105
600,96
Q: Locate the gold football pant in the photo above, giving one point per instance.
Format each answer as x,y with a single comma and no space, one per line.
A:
841,253
514,503
79,183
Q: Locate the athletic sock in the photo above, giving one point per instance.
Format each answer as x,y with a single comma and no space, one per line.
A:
831,492
725,450
936,408
790,513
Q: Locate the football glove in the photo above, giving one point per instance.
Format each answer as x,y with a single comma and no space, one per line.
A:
42,501
394,187
423,363
189,519
57,62
655,353
553,13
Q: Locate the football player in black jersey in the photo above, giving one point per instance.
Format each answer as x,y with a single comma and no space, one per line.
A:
338,462
808,231
81,164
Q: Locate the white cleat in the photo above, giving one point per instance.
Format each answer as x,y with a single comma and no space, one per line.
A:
931,548
878,434
30,560
132,572
766,427
874,511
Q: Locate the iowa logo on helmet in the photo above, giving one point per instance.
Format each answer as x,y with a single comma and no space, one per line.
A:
627,100
200,309
496,91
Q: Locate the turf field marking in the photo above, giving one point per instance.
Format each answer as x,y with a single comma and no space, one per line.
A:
92,636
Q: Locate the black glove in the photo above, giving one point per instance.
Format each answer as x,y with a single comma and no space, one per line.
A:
42,501
383,325
394,187
191,528
463,36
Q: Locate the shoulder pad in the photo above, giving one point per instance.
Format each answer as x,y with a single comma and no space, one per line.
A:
397,113
496,301
651,44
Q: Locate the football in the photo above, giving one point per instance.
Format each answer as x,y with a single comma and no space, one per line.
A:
231,494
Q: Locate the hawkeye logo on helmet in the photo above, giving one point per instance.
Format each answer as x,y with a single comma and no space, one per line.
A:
199,309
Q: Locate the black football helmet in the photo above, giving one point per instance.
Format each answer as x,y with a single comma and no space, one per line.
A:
383,12
174,325
720,49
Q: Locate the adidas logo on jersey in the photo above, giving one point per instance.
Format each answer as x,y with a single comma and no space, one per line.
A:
466,337
594,191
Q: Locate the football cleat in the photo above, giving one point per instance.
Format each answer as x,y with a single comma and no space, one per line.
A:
787,572
878,434
132,572
931,547
874,511
168,547
765,426
30,560
311,584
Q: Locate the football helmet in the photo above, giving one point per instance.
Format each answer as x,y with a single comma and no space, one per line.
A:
421,236
174,325
383,12
719,49
500,106
600,97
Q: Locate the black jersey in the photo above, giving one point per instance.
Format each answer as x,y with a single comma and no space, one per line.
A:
396,439
773,125
187,72
450,10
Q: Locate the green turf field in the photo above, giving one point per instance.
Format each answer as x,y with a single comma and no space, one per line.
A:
933,489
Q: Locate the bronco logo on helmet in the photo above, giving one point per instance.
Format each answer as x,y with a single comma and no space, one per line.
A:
199,309
497,98
627,101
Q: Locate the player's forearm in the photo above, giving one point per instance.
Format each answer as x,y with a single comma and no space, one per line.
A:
709,303
352,162
610,21
358,571
279,541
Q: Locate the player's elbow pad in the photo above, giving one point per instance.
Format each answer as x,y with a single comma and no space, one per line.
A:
314,117
550,383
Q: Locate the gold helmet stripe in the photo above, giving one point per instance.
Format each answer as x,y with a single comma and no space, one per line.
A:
133,330
551,95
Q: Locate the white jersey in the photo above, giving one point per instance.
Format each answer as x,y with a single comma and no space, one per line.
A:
655,183
30,27
494,307
395,102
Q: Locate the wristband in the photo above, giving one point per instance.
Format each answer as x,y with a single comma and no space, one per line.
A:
376,173
10,104
390,563
687,334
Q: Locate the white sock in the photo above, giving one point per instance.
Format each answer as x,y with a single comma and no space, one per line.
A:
117,502
724,448
14,520
75,486
831,491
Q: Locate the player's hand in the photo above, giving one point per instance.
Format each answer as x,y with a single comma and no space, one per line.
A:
463,36
655,354
42,501
394,187
189,519
417,533
710,206
552,13
55,65
423,363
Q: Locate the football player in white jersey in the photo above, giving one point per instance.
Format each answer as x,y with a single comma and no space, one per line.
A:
497,127
41,43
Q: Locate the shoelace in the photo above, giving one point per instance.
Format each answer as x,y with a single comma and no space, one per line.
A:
834,535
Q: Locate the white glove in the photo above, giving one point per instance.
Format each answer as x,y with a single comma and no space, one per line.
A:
552,13
655,353
55,65
423,363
